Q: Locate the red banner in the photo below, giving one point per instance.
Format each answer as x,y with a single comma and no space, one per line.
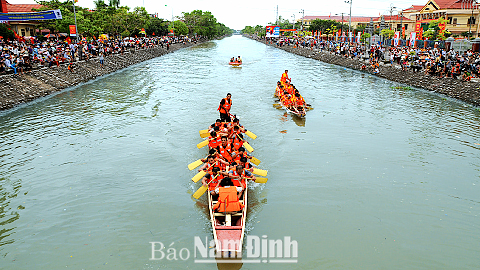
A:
73,30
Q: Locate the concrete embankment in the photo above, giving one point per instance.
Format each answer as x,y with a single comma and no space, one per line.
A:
18,89
455,88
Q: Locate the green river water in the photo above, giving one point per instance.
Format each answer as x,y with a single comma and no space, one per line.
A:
375,178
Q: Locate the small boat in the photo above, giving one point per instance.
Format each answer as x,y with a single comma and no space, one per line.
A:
228,235
236,64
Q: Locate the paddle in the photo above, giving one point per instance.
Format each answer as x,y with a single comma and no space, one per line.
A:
250,134
195,164
198,176
255,161
202,144
202,190
204,133
260,180
260,172
246,145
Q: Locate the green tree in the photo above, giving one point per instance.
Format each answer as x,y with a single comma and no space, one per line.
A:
387,33
201,23
5,32
433,32
114,3
364,37
323,25
157,26
179,28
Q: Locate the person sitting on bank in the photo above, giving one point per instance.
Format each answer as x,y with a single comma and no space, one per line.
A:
228,197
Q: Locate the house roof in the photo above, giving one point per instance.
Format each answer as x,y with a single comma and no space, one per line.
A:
20,8
453,4
339,18
394,18
414,8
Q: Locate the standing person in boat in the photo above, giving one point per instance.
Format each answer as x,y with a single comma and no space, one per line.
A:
239,59
285,77
224,108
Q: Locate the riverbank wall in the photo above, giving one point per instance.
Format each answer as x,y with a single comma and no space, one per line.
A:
455,88
18,89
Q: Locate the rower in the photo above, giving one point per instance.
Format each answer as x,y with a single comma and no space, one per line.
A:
213,162
240,59
239,174
237,141
212,179
213,140
225,149
247,165
224,108
240,153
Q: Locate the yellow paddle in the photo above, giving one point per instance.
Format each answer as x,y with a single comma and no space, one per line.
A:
260,180
247,146
250,134
255,161
260,172
195,164
202,190
199,176
204,133
202,144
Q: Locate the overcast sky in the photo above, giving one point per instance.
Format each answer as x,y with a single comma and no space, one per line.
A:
237,15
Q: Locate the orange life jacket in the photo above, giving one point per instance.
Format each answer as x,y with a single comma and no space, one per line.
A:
236,143
228,200
214,142
237,157
239,182
226,107
226,152
213,183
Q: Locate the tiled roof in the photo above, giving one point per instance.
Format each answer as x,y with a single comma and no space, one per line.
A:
339,18
414,8
14,8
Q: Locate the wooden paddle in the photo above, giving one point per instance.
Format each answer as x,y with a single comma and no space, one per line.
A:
255,161
202,144
260,180
246,145
250,134
202,189
198,176
260,172
195,164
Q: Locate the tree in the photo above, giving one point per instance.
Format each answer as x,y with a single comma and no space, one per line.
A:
433,32
387,33
100,4
179,28
114,3
157,26
5,32
364,37
323,25
200,23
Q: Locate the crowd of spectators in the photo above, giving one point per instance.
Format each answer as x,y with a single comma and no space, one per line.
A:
433,61
18,57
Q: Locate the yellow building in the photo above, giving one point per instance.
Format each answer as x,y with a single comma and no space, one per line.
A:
461,15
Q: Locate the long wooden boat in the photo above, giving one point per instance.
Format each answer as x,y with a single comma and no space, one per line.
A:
228,228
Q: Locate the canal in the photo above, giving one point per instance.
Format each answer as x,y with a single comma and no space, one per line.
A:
378,176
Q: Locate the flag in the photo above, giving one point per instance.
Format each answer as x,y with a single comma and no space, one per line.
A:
68,40
153,33
76,1
330,15
94,37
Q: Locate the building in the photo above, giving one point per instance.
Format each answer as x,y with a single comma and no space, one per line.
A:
26,28
356,20
462,16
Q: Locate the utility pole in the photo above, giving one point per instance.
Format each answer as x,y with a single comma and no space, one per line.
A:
341,26
293,21
349,20
303,16
276,20
401,25
392,8
75,14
